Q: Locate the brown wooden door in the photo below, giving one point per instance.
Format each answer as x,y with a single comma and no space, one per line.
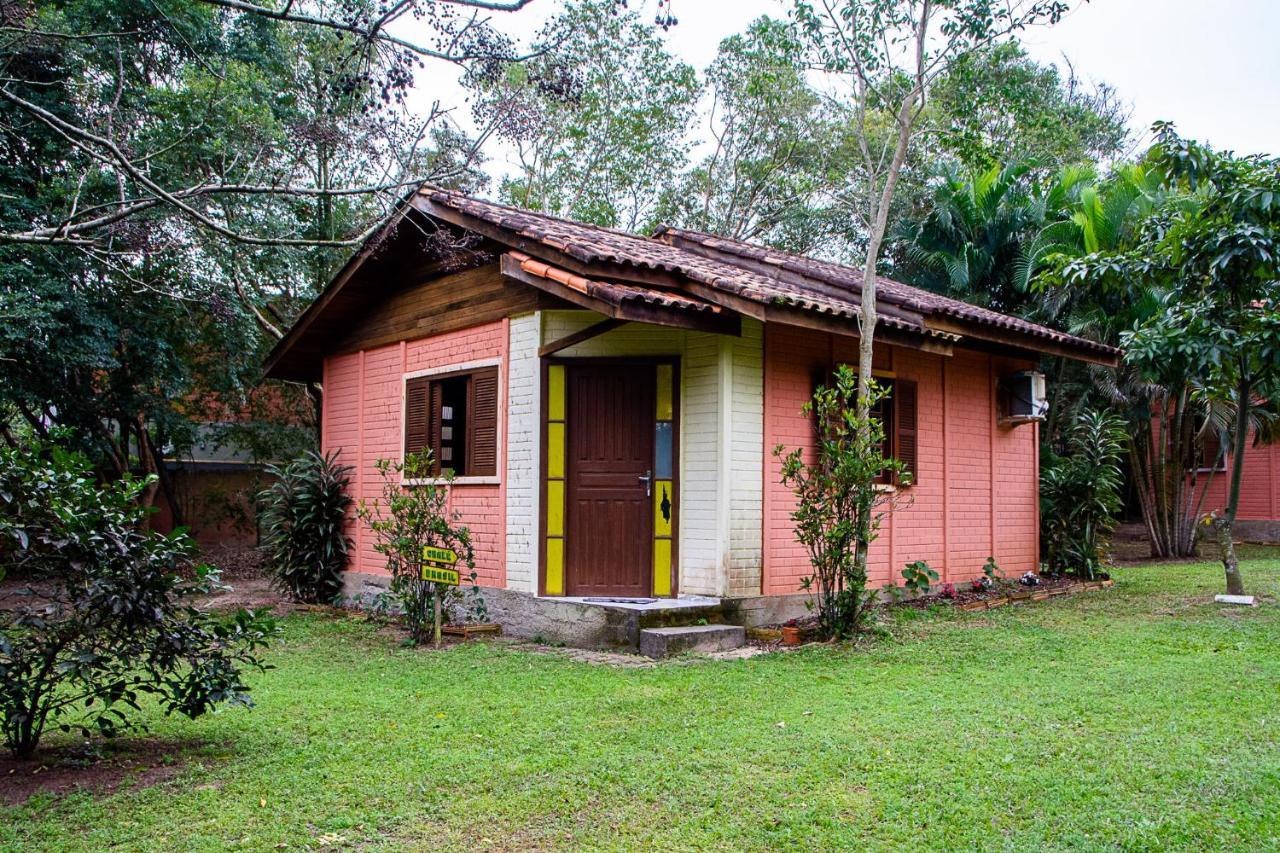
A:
609,546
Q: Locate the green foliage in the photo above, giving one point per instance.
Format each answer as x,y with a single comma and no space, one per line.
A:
777,147
1080,495
919,577
598,119
991,570
108,620
412,514
997,105
1208,248
840,499
303,515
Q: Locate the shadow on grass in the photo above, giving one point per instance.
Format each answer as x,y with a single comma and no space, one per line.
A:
101,767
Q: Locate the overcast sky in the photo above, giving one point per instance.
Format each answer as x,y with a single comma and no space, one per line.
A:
1210,66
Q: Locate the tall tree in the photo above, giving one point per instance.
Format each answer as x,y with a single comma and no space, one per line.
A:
773,146
598,121
890,54
183,175
1225,251
998,105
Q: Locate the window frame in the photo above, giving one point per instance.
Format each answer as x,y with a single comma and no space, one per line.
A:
447,372
886,482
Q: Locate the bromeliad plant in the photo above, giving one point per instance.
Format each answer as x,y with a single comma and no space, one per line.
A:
413,514
303,517
107,618
1080,495
841,500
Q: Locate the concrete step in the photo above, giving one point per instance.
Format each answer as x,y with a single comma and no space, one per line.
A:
665,642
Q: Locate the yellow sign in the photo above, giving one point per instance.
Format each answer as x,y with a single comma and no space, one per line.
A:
438,575
439,556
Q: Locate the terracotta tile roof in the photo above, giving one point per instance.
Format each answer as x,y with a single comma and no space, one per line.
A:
750,272
615,293
888,291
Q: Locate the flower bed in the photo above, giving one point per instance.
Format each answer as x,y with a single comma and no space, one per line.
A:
965,598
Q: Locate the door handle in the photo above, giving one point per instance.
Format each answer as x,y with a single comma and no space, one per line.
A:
647,479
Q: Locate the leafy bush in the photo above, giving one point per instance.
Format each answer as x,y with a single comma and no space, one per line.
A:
106,623
303,516
918,577
408,519
1080,495
840,502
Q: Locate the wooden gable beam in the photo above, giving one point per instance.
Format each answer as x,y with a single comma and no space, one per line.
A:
595,330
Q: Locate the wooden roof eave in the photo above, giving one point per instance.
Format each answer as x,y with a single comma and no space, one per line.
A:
1020,342
722,323
276,364
597,269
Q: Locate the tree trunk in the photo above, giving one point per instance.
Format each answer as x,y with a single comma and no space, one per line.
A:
1226,538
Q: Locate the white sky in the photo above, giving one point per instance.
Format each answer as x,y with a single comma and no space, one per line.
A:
1210,66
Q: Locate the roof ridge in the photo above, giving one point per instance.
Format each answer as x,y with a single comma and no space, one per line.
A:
542,214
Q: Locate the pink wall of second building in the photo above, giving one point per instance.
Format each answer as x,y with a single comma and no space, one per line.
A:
1259,485
363,399
976,491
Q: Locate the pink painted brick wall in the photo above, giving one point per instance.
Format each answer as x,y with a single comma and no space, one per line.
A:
1259,485
363,420
976,492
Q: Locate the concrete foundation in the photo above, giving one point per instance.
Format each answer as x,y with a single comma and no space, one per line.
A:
610,626
1257,531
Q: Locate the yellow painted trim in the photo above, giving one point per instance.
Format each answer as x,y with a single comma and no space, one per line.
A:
555,567
555,392
665,402
555,451
662,526
662,567
555,507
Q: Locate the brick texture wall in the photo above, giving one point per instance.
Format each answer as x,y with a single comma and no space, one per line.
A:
976,492
363,420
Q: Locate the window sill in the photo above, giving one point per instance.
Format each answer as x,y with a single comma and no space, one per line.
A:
886,488
456,481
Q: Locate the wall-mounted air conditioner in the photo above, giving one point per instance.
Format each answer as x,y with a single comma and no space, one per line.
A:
1022,398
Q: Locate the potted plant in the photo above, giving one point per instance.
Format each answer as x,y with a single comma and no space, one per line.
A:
791,633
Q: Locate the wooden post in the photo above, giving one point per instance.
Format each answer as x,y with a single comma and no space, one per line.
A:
435,603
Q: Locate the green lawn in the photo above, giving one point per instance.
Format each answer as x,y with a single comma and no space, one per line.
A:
1141,717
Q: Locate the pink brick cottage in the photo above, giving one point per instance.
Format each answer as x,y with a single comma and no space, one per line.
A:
609,403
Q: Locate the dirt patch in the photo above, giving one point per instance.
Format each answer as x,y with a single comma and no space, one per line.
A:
249,593
100,767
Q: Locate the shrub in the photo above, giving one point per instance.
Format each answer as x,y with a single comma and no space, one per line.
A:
408,519
918,577
106,623
1080,495
304,513
840,501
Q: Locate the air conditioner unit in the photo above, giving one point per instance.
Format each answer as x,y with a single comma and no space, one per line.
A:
1022,398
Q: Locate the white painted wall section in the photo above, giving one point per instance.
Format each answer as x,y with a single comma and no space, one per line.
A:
524,456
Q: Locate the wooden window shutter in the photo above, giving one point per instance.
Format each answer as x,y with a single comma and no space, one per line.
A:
482,424
417,415
434,404
905,443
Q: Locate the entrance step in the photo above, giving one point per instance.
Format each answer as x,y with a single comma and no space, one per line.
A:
665,642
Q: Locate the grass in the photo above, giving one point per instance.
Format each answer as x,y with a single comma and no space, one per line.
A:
1140,717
